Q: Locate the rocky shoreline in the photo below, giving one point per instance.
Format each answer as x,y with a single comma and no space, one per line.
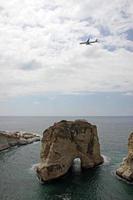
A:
126,168
10,139
62,143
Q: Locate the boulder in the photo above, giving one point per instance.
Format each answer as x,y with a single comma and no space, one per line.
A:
126,168
65,141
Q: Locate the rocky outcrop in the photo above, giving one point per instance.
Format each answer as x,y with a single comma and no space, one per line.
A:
126,168
65,141
9,139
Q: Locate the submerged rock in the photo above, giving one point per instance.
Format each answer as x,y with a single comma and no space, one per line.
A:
9,139
65,141
126,168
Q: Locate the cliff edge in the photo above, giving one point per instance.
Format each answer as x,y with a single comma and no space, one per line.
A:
126,168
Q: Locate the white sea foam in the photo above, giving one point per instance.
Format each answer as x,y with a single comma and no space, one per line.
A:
36,142
64,196
106,160
34,167
120,178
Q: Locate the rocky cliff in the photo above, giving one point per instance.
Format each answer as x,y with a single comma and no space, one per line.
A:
65,141
126,168
9,139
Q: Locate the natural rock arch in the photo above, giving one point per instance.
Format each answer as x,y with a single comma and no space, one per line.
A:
76,165
65,141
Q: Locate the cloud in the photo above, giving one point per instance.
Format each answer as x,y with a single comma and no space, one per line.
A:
40,51
32,65
36,102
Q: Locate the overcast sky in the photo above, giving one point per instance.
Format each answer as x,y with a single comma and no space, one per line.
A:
45,71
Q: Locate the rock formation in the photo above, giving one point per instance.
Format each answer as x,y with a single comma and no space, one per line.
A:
9,139
126,168
65,141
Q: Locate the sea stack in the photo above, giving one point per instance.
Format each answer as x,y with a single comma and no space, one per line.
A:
126,168
65,141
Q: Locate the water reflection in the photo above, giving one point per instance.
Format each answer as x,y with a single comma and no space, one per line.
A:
71,186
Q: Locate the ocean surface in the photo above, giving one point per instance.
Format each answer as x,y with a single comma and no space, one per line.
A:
18,180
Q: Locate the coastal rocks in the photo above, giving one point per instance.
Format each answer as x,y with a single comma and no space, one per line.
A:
126,168
9,139
65,141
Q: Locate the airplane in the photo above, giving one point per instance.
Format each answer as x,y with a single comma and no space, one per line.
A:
88,42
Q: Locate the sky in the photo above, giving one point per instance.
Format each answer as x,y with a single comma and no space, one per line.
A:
44,70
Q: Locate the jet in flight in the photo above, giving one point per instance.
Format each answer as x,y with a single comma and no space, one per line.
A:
88,42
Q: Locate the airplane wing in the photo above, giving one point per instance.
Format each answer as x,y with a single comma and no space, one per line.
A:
88,40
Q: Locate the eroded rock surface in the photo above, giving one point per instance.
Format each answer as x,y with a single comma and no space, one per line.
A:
126,168
65,141
9,139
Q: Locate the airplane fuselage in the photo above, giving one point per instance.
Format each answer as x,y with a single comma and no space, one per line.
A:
89,42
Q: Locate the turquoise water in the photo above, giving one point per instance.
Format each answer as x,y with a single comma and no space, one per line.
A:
18,180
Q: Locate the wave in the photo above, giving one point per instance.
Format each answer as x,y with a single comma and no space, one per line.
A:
34,167
120,178
106,159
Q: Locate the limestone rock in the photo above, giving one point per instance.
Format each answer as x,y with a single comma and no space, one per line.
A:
126,168
65,141
9,139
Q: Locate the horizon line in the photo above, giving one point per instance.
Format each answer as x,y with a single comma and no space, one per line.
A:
66,115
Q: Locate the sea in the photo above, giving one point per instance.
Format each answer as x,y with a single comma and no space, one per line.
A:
18,180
